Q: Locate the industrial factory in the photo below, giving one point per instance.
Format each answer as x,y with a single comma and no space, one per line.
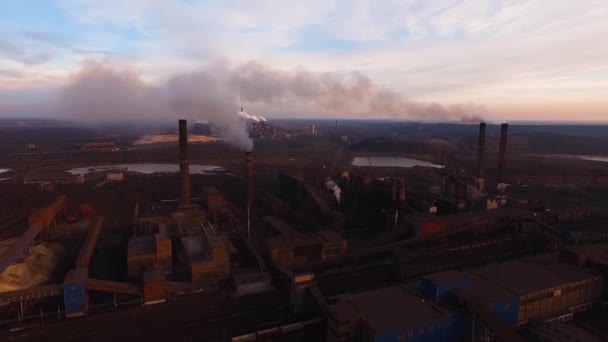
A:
296,240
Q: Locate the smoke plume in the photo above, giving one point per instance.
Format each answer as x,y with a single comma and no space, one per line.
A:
102,93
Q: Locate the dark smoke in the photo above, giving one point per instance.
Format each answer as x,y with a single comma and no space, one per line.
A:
351,92
98,92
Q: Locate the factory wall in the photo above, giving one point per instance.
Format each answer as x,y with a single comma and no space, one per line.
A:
154,286
426,225
439,292
559,300
448,328
507,311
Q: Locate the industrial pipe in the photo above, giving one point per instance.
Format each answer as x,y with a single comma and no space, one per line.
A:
502,153
88,247
184,166
248,189
481,150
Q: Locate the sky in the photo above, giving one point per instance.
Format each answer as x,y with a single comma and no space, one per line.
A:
518,59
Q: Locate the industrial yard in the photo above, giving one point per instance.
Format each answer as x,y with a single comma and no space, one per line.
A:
325,231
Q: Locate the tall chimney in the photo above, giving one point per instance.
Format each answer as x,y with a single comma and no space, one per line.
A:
502,152
184,167
248,189
248,178
481,150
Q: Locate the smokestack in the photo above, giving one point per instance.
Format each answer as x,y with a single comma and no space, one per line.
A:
481,150
248,189
401,190
502,152
394,193
249,178
184,167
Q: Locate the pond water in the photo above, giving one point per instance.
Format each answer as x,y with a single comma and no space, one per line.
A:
594,158
147,169
391,162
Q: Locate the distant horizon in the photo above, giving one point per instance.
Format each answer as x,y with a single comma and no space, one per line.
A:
324,120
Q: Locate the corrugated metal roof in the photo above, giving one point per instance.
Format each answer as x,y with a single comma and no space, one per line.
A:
344,311
393,308
305,241
447,277
593,248
277,243
329,236
568,271
520,277
489,291
280,226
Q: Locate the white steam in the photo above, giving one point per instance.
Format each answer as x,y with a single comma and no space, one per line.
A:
333,186
251,117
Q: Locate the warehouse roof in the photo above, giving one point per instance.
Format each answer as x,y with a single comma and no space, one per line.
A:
447,277
393,308
486,216
520,277
277,243
281,226
329,236
568,271
489,291
344,312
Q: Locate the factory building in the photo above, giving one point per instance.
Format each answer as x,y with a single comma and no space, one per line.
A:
488,302
290,247
421,225
546,289
206,255
141,253
564,217
212,199
392,314
332,244
115,176
503,305
201,252
154,286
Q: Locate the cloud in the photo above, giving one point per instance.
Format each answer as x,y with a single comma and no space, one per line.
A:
492,52
15,52
51,38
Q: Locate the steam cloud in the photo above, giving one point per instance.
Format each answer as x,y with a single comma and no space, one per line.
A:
99,92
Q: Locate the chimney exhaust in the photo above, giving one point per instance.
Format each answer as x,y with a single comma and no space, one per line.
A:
502,153
481,151
184,165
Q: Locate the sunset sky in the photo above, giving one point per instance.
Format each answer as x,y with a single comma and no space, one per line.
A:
519,60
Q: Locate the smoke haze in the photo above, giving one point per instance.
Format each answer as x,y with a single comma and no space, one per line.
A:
102,93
